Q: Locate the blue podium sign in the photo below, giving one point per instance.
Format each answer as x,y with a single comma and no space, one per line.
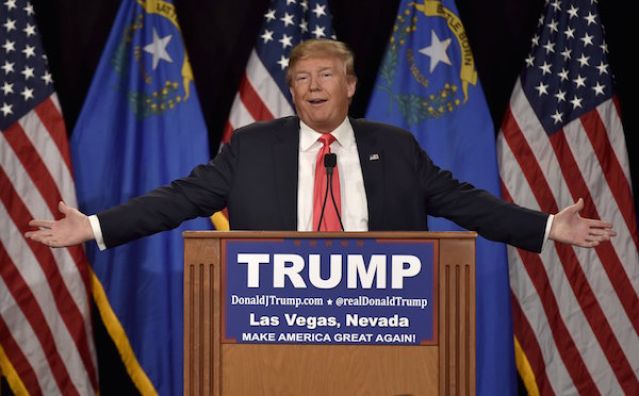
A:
329,291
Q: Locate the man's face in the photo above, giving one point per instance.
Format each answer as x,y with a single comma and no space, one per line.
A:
321,92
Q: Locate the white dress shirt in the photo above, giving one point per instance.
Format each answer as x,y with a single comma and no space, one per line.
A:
351,182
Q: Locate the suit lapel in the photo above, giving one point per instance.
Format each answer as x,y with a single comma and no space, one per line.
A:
371,159
285,158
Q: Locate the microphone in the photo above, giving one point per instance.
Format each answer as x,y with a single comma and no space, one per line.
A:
330,162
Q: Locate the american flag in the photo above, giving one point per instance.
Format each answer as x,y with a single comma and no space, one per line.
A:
575,310
46,336
263,92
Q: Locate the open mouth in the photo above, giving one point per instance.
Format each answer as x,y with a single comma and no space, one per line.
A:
316,101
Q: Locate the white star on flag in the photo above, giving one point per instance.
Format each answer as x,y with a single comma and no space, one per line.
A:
157,48
436,50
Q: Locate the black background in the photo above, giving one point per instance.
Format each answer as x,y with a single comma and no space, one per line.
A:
219,35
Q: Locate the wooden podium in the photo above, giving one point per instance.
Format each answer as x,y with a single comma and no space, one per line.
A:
214,368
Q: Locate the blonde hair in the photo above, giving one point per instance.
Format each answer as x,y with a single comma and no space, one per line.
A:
321,48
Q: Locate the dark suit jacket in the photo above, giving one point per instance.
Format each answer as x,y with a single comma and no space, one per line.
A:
255,176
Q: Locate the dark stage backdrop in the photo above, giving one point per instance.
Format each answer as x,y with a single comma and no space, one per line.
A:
219,35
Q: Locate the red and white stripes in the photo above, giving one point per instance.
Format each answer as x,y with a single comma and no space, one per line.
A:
45,320
259,98
576,311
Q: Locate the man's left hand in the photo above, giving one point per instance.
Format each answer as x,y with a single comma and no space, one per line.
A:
569,227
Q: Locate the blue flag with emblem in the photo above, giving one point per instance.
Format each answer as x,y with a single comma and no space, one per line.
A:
141,127
428,84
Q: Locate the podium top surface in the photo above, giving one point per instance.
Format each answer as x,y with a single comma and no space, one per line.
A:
306,235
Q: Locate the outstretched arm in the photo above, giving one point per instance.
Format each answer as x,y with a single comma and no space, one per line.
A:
74,228
569,227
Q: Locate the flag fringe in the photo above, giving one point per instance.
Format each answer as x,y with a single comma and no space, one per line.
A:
120,339
14,380
220,222
525,371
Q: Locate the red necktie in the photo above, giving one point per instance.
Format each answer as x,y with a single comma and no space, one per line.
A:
330,220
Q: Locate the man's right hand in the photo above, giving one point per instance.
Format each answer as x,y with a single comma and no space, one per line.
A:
74,228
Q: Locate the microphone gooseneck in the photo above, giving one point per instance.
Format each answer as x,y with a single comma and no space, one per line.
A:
319,223
330,162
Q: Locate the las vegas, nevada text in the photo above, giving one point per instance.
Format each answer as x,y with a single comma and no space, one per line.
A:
312,323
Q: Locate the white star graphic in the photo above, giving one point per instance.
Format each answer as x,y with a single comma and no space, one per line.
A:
556,5
587,39
557,116
27,72
542,88
604,47
319,10
286,41
29,30
583,60
7,88
566,53
10,24
603,68
304,26
158,49
563,75
47,78
29,9
553,26
267,36
270,15
27,93
289,2
436,50
572,11
535,40
561,96
6,109
287,19
319,31
570,33
283,62
576,102
29,51
11,4
550,47
304,5
8,67
9,46
599,89
545,68
580,81
530,61
590,18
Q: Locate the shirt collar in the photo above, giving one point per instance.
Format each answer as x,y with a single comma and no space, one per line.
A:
343,134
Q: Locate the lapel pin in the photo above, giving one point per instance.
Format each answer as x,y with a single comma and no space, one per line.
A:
373,157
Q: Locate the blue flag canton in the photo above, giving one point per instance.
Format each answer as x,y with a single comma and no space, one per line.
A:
286,24
428,70
26,80
567,72
151,52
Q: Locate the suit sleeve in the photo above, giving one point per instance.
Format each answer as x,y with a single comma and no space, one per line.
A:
476,209
204,191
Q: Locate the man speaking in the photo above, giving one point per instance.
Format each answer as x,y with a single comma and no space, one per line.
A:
322,171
